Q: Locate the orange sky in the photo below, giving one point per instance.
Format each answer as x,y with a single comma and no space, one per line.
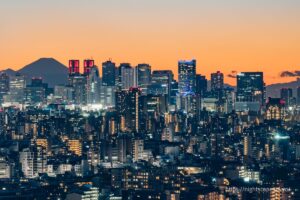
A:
231,36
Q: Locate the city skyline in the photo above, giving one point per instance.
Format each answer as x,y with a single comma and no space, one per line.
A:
231,36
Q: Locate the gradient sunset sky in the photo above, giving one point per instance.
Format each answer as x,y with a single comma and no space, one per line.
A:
225,35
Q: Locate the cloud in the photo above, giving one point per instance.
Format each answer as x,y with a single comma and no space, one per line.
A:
232,74
290,74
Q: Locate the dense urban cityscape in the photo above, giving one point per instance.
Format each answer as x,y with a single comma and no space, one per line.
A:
135,133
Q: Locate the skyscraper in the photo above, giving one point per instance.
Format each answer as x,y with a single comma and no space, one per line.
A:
36,92
78,82
17,86
135,109
93,86
4,85
87,65
108,73
186,76
129,107
73,67
250,87
201,84
287,95
217,82
143,75
161,82
127,76
298,95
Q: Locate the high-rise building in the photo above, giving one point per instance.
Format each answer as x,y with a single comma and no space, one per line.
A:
161,82
36,92
78,81
93,86
217,82
130,109
17,86
186,76
73,67
201,85
298,95
173,94
287,95
143,75
107,95
108,73
87,65
134,109
127,76
251,87
4,85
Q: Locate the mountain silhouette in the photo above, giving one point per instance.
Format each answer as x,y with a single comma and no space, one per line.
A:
273,90
49,69
9,72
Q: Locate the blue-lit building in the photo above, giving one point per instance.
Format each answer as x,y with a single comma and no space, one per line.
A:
186,76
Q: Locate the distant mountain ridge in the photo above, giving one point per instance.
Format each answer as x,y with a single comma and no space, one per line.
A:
52,71
273,90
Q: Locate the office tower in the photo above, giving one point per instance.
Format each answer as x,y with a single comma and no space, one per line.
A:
77,82
73,67
36,91
298,95
33,161
108,73
201,85
173,94
143,74
275,111
190,104
186,76
93,86
34,95
121,108
217,83
161,82
287,95
250,87
87,66
127,76
17,86
4,86
229,100
134,109
155,105
130,107
107,95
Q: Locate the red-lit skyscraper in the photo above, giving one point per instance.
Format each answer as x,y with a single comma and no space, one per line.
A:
87,65
73,67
